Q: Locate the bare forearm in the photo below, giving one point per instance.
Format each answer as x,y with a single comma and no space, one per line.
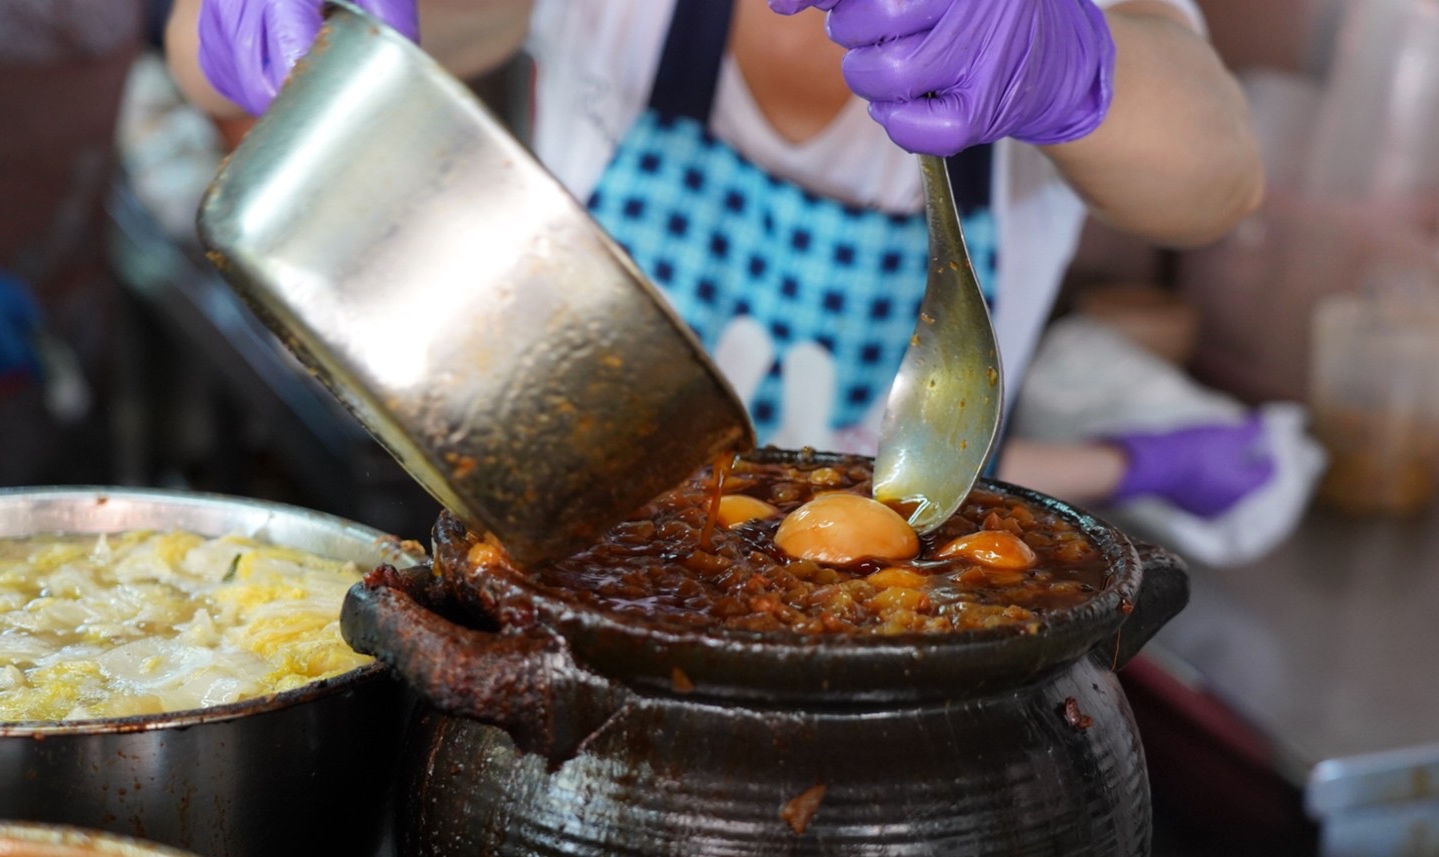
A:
471,37
1175,161
182,52
1080,473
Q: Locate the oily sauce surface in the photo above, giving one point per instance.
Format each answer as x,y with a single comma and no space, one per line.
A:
672,564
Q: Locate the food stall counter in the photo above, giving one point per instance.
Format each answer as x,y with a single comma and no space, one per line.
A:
1325,648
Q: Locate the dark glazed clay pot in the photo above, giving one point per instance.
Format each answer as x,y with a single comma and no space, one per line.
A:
558,730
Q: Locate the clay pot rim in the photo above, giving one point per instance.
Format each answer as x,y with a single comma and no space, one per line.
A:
730,663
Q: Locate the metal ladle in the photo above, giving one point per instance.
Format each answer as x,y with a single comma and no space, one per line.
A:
942,417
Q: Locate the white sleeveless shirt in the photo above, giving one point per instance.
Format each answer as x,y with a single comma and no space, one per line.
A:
595,61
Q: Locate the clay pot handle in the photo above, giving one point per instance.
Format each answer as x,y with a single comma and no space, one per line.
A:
527,684
1163,592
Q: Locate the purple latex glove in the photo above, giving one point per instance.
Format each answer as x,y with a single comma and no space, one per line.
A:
790,7
247,47
1204,470
942,75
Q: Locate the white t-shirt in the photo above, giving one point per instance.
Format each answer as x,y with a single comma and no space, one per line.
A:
595,62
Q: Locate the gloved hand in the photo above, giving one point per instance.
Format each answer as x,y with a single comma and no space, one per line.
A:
19,327
942,75
1204,470
247,47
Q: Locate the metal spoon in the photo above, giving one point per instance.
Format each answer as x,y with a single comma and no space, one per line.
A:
942,417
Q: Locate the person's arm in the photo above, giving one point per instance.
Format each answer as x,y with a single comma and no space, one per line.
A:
1132,105
1174,160
1203,469
182,54
1079,473
469,37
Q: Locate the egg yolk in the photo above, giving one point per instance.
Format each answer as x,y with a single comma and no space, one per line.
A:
735,509
993,548
839,528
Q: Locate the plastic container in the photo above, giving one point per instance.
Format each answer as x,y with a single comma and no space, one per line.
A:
1353,184
1380,114
1374,389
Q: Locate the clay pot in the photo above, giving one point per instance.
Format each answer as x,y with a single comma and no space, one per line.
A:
553,728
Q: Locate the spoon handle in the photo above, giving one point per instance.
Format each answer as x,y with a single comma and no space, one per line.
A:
946,238
943,412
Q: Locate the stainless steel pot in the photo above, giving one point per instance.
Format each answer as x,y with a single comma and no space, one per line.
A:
461,303
45,840
554,728
304,772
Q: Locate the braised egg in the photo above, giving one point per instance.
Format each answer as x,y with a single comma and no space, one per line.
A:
840,528
992,548
736,509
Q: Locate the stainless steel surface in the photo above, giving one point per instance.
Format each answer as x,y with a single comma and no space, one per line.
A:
943,413
1377,805
24,511
458,300
1394,776
1326,648
1326,643
295,773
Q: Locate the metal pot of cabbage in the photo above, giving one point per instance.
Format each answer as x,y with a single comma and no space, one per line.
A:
47,840
169,670
700,683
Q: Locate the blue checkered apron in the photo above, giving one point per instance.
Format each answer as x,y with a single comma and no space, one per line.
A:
725,240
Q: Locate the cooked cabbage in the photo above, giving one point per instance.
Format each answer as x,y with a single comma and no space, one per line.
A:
145,622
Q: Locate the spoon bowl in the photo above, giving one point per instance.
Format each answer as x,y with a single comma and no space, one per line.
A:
943,413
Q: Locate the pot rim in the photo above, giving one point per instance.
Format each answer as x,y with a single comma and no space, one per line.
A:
722,662
114,509
1106,601
75,840
197,716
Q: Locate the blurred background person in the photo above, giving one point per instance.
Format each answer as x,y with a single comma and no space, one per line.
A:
62,72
